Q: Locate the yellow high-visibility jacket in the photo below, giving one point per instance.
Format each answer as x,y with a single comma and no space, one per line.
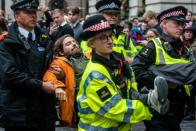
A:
119,46
101,106
162,58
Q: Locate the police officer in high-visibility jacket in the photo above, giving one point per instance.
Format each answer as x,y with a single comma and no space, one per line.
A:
167,51
108,87
123,44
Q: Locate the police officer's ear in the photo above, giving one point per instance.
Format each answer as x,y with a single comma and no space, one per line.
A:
163,23
90,43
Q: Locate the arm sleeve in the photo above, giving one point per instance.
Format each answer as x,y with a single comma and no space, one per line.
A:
14,75
115,107
141,63
50,76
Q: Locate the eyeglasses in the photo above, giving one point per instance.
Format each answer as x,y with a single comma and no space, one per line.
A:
147,20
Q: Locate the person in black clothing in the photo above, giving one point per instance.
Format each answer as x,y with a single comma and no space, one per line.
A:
59,27
26,101
58,4
168,50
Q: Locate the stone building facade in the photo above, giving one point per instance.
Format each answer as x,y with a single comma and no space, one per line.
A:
138,7
82,4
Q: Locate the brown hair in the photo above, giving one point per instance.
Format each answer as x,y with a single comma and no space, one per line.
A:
58,46
74,10
149,14
154,31
189,12
58,11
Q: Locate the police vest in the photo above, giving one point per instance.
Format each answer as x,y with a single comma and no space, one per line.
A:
162,58
120,47
101,106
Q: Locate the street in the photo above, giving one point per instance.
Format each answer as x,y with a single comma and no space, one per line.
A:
186,126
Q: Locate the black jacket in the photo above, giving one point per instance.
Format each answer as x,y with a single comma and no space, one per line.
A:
145,77
22,98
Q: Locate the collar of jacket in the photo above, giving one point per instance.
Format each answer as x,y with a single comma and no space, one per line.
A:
110,64
74,25
117,29
176,44
16,41
63,58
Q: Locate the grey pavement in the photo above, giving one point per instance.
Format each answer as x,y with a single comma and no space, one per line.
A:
186,126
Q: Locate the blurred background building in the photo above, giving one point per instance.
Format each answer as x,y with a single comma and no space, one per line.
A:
130,8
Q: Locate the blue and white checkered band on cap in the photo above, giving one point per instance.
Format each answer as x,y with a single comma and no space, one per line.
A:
25,5
108,6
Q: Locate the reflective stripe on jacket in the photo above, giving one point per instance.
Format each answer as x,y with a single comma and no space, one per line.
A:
162,58
113,113
119,46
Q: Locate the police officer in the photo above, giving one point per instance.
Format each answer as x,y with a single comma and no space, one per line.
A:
160,52
123,44
25,103
108,85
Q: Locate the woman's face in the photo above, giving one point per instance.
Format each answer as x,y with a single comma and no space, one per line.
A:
126,30
188,34
150,35
102,43
70,46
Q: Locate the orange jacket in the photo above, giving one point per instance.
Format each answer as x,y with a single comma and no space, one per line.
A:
3,35
67,114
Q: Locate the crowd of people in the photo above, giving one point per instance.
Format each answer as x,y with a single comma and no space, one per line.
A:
101,73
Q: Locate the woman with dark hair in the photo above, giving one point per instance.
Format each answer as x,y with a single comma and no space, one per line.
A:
151,34
3,29
188,35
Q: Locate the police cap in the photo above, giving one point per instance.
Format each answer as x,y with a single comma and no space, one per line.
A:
177,13
108,6
30,5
